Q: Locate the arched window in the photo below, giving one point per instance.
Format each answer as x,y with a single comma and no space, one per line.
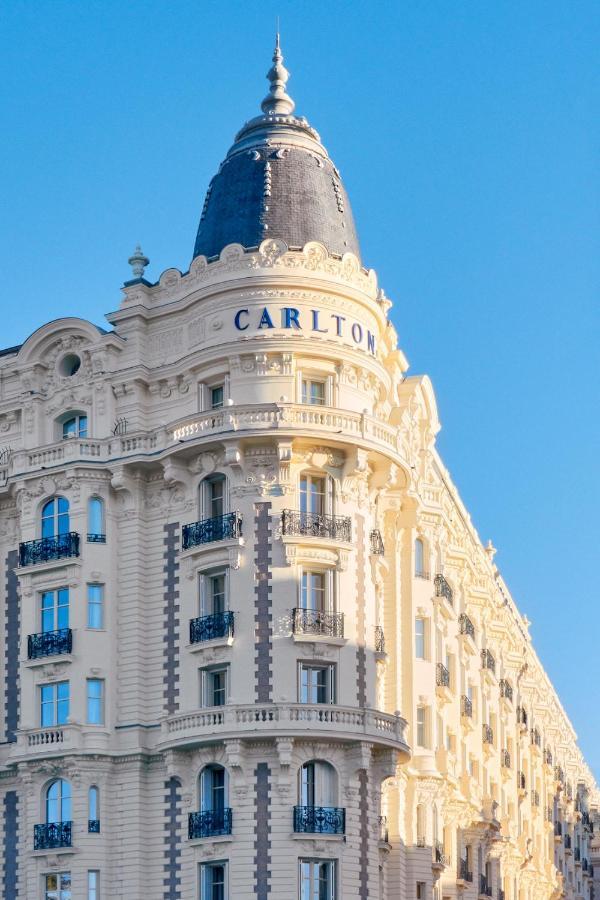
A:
213,497
58,802
213,789
55,517
419,558
76,426
317,784
93,809
96,527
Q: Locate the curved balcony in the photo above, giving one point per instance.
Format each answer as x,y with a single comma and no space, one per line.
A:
315,622
49,643
316,525
209,823
211,628
52,835
321,721
319,820
48,549
443,589
207,531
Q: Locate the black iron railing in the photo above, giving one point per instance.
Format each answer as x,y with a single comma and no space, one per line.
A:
500,894
488,661
319,820
379,639
442,588
94,826
463,870
585,818
96,538
521,715
313,621
384,834
568,842
209,823
49,548
506,689
377,545
208,628
577,854
558,830
505,759
466,707
485,889
51,835
521,781
442,675
466,626
584,864
337,528
487,734
221,528
49,643
439,857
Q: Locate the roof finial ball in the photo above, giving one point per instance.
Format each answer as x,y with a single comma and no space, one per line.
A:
277,101
138,262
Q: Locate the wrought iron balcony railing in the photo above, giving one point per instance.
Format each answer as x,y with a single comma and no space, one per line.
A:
463,870
221,528
51,835
49,643
585,818
536,738
442,588
379,639
442,675
338,528
521,715
49,548
319,820
584,864
568,842
439,857
94,826
485,889
487,733
209,823
96,538
313,621
500,894
505,759
384,834
506,690
466,626
377,545
488,661
208,628
577,854
466,707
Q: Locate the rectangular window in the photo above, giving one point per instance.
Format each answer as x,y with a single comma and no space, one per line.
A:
313,391
57,886
420,638
313,495
213,686
217,396
313,594
93,885
95,701
316,683
213,593
317,879
215,497
54,704
213,881
95,605
54,607
422,726
420,890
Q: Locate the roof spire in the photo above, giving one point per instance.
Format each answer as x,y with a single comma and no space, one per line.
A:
277,101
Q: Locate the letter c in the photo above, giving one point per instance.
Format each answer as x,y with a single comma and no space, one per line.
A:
237,320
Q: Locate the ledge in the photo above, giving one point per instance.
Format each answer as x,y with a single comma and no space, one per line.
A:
318,639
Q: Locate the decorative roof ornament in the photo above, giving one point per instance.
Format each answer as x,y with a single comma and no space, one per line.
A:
277,102
138,262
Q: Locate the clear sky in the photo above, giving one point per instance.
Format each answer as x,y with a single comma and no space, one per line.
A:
467,135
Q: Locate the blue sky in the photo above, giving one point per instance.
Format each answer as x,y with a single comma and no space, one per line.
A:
467,135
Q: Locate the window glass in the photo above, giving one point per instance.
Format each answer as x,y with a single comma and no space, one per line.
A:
95,516
95,701
217,593
313,591
57,886
216,497
317,784
312,494
55,609
419,557
217,396
421,726
55,517
317,684
214,687
93,806
58,801
76,426
213,881
93,885
317,879
212,789
313,391
54,702
420,638
95,605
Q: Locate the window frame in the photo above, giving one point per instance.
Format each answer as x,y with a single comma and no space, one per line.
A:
54,703
57,517
205,500
57,893
206,595
329,605
95,604
208,865
330,686
205,673
101,700
205,389
313,861
78,418
91,532
56,608
93,891
424,656
314,376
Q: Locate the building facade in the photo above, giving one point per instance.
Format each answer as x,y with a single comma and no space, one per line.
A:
253,645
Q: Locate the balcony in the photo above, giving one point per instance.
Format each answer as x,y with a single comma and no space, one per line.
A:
466,707
94,826
376,541
536,739
52,835
442,676
439,857
443,589
379,640
505,759
485,889
211,628
506,690
221,528
488,663
48,549
49,643
487,734
318,623
466,626
522,716
211,823
319,820
315,525
463,871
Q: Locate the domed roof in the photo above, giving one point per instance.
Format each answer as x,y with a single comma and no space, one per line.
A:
276,181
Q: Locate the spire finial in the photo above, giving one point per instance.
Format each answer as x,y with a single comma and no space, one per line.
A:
138,262
277,100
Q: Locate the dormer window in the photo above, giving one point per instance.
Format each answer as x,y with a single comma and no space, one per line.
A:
75,427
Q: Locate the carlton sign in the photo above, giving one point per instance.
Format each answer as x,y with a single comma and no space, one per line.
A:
308,320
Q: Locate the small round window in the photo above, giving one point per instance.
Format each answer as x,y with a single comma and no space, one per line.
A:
69,365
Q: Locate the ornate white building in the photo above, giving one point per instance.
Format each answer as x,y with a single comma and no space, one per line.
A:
253,645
